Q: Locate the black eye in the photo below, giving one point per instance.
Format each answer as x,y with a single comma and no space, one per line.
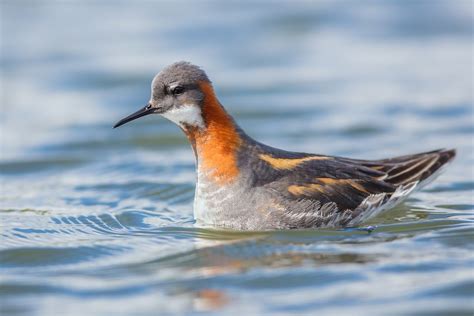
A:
177,90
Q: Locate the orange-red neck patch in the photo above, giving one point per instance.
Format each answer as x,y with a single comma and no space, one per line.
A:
217,143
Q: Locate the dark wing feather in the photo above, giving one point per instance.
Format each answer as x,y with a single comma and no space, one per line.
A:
342,184
324,193
316,191
406,169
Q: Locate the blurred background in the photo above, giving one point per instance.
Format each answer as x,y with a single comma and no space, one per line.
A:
99,221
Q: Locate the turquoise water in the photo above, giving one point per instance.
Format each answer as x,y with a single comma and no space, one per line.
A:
99,221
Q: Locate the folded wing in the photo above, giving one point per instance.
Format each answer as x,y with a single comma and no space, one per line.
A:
340,191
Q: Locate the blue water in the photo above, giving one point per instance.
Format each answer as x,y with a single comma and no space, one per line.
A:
96,221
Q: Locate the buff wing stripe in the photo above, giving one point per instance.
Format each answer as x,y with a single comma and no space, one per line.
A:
324,185
288,163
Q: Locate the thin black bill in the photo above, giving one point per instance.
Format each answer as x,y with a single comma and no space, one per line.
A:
142,112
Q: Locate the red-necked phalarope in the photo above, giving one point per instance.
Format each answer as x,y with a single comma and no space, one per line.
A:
244,184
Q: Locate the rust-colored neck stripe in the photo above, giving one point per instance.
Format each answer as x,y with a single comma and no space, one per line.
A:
216,145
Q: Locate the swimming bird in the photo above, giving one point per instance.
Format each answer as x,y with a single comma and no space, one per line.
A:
245,185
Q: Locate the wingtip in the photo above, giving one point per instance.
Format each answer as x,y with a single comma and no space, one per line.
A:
449,153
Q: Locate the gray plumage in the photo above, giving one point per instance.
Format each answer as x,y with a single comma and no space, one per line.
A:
183,72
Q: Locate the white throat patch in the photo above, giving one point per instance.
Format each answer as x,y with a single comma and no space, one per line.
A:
188,114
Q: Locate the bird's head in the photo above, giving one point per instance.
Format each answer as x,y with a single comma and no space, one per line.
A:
178,94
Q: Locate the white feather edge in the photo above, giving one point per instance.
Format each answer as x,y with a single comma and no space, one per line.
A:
375,204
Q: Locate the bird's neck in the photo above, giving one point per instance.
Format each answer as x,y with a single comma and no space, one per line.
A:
216,144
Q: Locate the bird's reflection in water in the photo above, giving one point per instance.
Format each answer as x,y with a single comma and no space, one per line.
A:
213,258
209,300
244,255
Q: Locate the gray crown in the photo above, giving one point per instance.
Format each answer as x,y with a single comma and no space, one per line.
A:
183,72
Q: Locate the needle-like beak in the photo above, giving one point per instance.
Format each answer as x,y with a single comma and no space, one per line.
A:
142,112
